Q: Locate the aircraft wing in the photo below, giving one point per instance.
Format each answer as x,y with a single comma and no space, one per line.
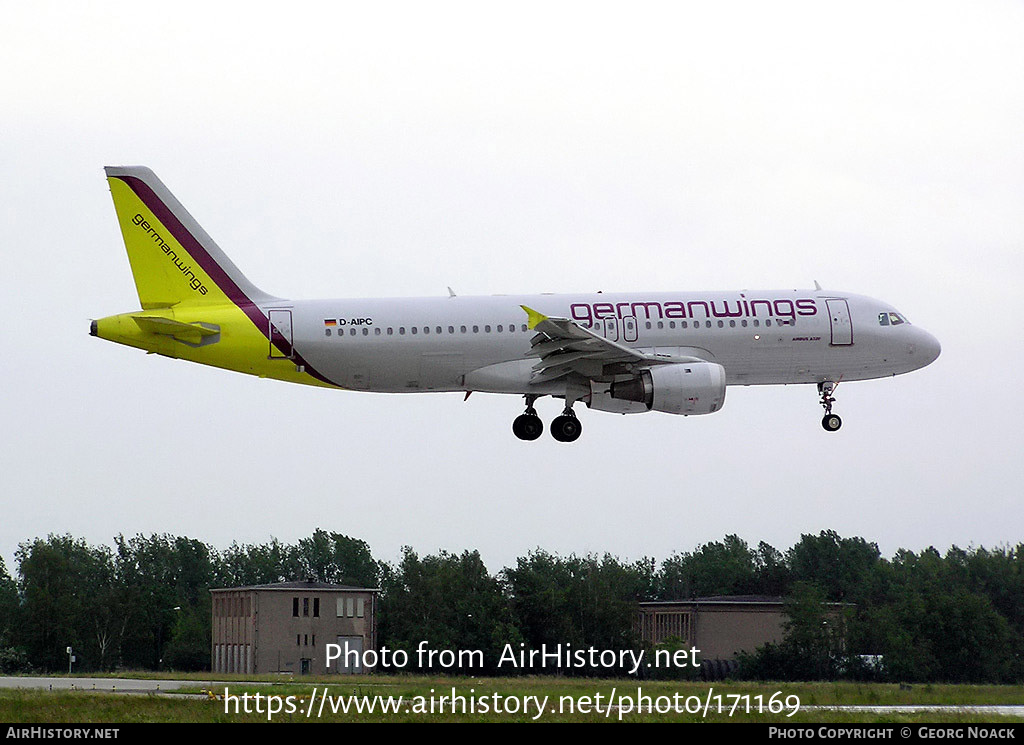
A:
565,347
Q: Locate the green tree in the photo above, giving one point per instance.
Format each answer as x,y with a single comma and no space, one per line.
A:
160,576
189,645
814,645
727,567
12,658
450,602
257,564
9,605
337,559
579,601
843,567
64,583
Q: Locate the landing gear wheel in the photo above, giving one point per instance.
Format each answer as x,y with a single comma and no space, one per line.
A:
831,422
528,426
566,428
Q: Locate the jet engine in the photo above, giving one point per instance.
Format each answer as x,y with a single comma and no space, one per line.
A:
678,388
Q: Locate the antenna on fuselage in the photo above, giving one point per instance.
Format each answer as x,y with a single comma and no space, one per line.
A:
817,286
451,292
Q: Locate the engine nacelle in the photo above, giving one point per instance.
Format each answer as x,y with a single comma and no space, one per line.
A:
600,399
680,388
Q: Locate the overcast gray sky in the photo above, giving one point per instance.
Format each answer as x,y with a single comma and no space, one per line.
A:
355,149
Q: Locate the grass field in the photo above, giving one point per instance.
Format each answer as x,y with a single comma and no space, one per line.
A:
562,699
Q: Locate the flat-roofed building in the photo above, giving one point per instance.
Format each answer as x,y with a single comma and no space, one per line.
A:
720,627
285,627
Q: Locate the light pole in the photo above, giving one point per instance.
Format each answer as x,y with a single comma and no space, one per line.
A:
160,638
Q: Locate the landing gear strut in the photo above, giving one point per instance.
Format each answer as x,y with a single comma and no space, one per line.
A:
831,422
528,426
566,428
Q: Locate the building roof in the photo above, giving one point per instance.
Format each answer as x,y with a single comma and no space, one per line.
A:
728,600
720,599
306,585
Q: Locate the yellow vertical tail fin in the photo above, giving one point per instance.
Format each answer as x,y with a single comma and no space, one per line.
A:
174,261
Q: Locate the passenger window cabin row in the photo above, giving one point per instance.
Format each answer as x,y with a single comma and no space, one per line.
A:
513,328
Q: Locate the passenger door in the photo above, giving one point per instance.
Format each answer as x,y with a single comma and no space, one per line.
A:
842,325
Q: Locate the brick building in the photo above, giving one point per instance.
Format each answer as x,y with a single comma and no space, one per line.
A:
720,627
286,627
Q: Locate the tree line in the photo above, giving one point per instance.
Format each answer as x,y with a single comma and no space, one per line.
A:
144,603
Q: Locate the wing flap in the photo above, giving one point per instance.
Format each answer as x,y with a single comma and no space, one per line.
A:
565,347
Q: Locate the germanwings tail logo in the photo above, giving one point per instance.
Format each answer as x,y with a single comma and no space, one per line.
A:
183,266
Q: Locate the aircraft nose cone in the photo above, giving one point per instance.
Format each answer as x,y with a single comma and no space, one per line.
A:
925,347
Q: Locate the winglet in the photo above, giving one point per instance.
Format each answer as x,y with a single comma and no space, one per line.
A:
533,317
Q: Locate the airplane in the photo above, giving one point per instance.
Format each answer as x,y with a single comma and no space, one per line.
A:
633,352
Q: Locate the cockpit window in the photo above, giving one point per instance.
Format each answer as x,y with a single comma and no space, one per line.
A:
883,319
890,319
896,319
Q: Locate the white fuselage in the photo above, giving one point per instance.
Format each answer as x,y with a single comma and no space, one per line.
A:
483,343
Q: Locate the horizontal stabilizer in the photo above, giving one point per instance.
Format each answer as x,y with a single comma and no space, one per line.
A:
189,333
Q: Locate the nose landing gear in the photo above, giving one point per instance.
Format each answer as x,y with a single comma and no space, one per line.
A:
830,422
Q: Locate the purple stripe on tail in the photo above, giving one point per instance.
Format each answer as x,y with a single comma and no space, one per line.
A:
209,265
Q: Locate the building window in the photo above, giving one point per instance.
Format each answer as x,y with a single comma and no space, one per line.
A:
295,607
360,607
305,606
316,607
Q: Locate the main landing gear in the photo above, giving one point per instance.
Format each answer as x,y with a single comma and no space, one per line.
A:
564,428
528,426
831,422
